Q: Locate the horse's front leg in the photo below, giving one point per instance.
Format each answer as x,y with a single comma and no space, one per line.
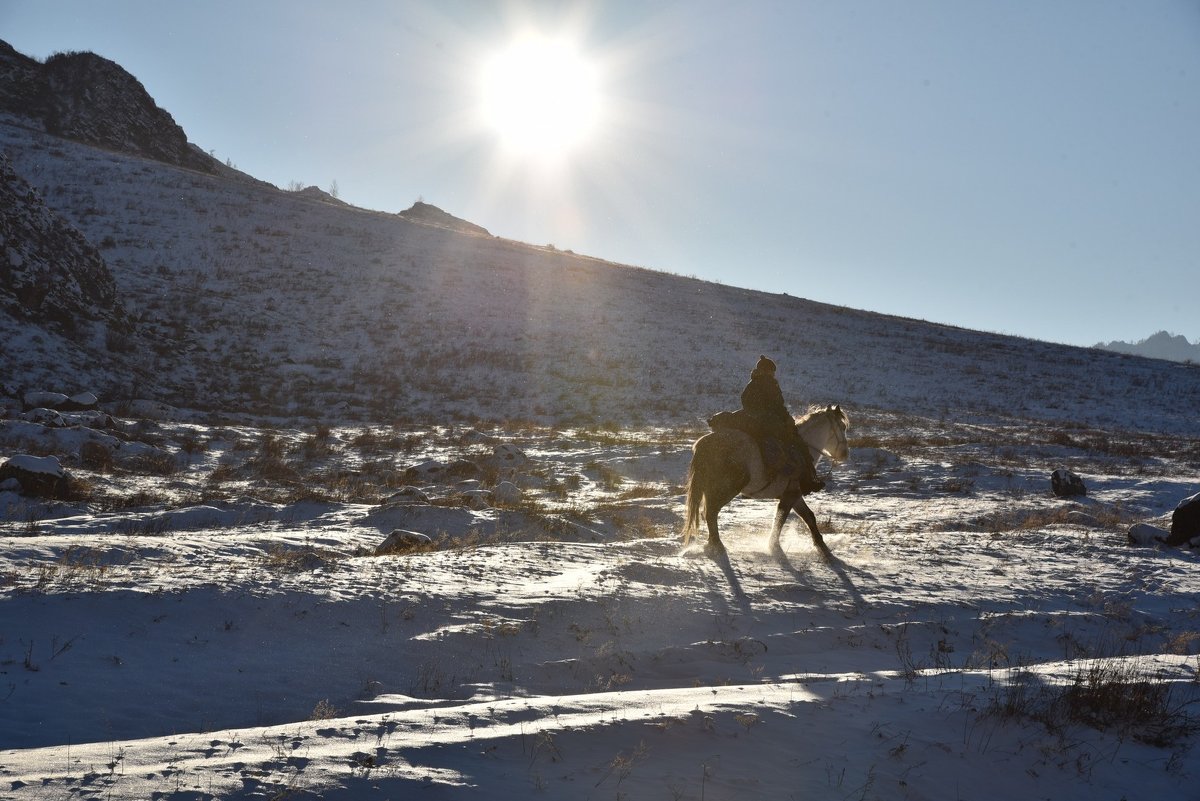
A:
810,519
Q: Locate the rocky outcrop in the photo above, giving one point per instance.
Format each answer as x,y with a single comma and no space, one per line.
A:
87,98
427,214
49,273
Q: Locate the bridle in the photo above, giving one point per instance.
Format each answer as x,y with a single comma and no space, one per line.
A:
839,432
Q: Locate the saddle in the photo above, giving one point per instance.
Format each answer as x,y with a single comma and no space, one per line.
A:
779,457
741,420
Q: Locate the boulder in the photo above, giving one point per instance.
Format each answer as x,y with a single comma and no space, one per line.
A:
506,460
81,402
403,541
1185,521
47,400
1145,534
1079,518
477,499
46,417
507,493
1065,484
39,476
407,496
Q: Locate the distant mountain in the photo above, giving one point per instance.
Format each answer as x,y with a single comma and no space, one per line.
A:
1162,345
86,98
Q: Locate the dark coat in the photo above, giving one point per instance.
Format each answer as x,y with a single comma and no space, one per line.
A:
763,399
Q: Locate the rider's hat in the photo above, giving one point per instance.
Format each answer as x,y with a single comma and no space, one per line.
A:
764,365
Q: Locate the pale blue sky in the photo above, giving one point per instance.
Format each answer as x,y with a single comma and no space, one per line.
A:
1031,168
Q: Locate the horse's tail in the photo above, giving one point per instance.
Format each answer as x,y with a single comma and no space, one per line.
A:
695,501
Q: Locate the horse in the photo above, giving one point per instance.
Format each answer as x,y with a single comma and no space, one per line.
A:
728,462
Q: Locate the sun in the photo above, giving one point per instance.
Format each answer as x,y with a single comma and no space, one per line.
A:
540,96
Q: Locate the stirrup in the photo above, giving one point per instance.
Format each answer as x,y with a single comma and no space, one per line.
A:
816,485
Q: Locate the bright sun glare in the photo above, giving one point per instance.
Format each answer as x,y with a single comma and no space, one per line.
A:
540,96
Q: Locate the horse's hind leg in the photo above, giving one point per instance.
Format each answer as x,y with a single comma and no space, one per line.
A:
781,512
714,501
714,544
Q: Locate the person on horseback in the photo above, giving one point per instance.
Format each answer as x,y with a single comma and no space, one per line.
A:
783,450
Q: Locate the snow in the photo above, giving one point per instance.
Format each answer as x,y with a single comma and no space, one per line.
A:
45,465
242,649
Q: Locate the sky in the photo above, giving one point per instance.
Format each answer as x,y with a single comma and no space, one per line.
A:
1026,168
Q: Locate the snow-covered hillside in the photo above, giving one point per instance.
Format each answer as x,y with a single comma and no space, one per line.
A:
254,299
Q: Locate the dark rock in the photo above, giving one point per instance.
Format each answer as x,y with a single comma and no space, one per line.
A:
1066,484
1185,521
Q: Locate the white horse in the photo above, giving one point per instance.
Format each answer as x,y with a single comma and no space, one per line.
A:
728,463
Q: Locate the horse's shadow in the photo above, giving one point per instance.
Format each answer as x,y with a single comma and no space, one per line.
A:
735,584
839,568
721,559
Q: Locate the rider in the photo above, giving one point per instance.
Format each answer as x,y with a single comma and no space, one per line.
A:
762,400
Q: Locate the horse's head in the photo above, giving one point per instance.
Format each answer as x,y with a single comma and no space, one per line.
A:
825,432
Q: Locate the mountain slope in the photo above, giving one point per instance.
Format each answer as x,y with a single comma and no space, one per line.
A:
249,297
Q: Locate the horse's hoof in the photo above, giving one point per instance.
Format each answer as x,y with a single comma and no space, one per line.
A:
715,549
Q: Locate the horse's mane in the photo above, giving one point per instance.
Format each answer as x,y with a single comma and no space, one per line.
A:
813,411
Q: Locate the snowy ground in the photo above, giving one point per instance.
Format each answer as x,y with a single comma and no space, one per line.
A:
208,618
